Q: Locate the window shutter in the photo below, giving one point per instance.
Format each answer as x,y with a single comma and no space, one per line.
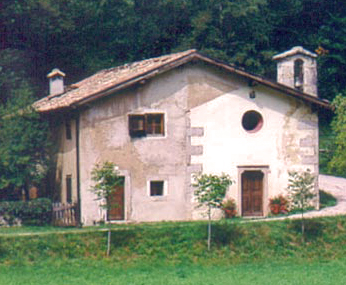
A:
137,125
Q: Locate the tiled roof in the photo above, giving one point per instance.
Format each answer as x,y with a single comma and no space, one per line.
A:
110,80
104,80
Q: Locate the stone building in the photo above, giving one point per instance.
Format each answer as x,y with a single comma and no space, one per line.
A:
163,119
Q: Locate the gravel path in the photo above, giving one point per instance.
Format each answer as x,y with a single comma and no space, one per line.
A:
337,187
333,185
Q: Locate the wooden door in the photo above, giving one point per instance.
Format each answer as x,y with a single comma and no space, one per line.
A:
117,199
252,193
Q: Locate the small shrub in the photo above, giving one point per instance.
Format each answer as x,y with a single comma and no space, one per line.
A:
210,192
301,189
37,212
10,212
327,199
301,192
106,179
230,208
278,205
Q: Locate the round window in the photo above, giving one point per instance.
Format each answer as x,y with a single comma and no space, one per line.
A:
252,121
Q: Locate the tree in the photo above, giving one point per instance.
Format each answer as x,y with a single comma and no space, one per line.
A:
24,143
300,190
18,73
106,179
210,192
337,163
101,34
333,57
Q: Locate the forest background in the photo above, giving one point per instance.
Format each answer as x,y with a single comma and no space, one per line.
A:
83,36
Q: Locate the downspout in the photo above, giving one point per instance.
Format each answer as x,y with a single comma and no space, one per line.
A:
79,220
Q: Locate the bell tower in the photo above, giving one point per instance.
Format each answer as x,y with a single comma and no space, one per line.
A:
297,68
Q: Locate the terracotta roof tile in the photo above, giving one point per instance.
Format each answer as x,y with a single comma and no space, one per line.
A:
104,80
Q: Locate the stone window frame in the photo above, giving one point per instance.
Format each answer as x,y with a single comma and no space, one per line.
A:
164,190
265,169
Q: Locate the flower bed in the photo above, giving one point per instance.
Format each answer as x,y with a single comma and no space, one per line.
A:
278,205
230,209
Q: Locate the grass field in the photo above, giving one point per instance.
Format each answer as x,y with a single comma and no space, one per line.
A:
103,272
243,252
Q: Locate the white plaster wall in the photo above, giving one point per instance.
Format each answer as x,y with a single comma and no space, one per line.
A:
226,145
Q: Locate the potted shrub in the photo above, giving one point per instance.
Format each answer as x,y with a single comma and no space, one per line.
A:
278,205
230,208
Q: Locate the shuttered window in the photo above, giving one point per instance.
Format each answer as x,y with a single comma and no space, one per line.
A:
146,124
137,125
154,124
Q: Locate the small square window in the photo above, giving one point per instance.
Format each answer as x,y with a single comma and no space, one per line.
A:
156,188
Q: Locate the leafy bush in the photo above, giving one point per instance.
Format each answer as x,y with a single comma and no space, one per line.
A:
106,178
210,192
327,199
230,208
337,164
301,189
36,212
301,192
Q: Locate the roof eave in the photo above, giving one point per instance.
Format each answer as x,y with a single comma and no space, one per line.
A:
187,58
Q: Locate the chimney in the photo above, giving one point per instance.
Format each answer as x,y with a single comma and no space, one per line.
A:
56,82
297,68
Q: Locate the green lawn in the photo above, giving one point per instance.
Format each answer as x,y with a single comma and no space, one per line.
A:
176,253
103,272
